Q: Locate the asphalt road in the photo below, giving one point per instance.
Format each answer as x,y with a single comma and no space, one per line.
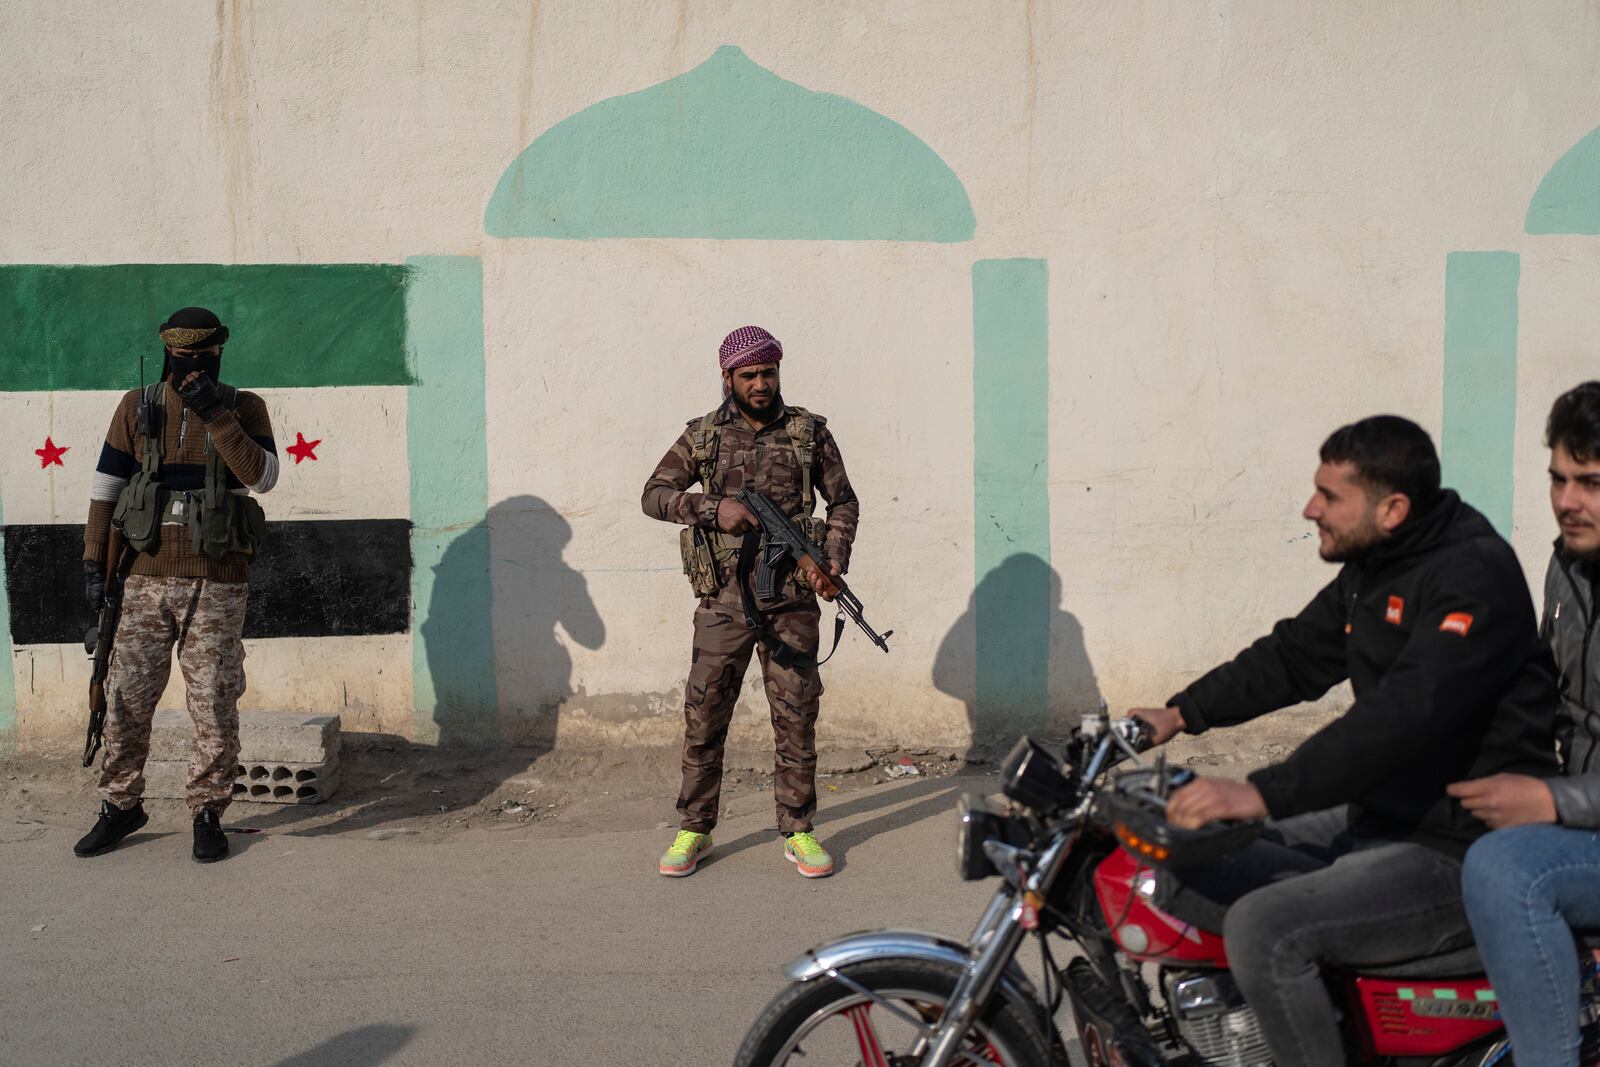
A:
494,946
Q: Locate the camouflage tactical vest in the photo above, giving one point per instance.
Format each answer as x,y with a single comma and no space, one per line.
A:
219,521
707,552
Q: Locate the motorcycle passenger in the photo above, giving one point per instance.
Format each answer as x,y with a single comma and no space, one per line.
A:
1535,877
1430,620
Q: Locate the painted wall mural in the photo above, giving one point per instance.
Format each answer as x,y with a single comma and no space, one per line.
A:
730,150
1480,337
374,370
384,529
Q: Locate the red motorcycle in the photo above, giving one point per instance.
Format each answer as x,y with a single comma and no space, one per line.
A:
1077,850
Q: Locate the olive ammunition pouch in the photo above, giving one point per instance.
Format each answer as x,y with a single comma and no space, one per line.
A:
219,522
700,561
709,554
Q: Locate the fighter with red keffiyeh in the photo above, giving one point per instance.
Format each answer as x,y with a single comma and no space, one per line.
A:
753,440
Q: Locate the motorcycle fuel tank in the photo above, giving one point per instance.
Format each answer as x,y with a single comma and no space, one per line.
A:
1125,888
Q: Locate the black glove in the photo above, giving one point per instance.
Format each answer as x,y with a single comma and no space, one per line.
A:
94,583
202,396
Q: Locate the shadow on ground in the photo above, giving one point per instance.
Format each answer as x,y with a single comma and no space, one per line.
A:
388,780
921,799
365,1046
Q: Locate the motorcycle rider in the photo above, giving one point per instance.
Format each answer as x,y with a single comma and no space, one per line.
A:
1430,620
1534,878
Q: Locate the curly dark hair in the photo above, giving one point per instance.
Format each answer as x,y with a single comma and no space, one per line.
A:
1391,455
1574,422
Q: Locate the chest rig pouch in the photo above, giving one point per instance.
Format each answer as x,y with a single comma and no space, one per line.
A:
219,522
708,554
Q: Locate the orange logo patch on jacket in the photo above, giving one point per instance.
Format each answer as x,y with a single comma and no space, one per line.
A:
1457,622
1397,609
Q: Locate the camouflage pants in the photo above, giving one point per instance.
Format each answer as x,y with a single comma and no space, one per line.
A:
722,646
206,621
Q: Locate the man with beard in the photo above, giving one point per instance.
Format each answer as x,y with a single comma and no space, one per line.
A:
1431,622
752,441
1534,879
174,478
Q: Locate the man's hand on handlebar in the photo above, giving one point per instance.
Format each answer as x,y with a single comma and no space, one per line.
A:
1211,799
1165,723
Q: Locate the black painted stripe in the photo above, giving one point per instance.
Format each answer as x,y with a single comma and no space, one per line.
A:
335,578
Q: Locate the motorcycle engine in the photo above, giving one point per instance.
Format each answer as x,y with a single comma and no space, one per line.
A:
1214,1020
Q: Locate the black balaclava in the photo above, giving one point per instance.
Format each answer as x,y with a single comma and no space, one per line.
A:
191,328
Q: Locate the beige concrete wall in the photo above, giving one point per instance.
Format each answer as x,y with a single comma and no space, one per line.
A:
1245,209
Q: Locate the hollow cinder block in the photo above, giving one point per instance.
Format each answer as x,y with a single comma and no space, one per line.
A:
265,783
264,736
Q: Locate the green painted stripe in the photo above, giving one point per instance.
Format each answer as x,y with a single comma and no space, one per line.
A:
1444,994
289,324
454,697
1011,500
1480,379
1568,199
1485,995
8,683
1406,994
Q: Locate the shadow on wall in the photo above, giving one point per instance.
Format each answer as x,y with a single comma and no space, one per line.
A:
535,591
365,1046
484,742
532,590
1017,659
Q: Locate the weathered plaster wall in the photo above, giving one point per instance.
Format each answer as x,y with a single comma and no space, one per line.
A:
1080,287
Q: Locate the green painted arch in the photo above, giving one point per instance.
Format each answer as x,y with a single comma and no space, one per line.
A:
1568,199
730,150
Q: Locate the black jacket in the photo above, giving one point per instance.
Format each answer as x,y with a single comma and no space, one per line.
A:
1436,632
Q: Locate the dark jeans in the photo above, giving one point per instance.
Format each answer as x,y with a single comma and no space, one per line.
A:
1311,896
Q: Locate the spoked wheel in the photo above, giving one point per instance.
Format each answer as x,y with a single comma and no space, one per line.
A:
825,1023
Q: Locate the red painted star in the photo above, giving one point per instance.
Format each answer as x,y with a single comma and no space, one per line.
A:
303,449
51,453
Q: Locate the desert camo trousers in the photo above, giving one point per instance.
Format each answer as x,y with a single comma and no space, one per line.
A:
205,619
722,647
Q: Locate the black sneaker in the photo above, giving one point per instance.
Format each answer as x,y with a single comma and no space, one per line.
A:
114,824
210,843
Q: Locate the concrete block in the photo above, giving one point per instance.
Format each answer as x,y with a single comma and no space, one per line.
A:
264,737
287,783
266,783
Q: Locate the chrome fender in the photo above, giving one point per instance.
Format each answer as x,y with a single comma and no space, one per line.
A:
904,944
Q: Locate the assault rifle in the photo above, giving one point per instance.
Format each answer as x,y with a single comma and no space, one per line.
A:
102,636
783,541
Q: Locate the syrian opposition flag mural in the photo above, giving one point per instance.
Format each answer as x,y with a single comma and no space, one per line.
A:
339,352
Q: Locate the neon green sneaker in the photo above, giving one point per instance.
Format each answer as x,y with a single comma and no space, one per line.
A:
683,857
807,856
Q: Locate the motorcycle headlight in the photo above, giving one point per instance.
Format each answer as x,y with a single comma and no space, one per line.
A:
982,821
1034,778
977,825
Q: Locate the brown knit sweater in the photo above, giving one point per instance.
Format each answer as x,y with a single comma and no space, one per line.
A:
243,438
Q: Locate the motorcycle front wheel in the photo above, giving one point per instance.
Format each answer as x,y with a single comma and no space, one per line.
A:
826,1021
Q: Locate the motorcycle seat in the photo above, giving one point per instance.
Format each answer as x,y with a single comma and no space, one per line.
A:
1462,963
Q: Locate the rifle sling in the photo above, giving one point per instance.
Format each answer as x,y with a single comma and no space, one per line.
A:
782,653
